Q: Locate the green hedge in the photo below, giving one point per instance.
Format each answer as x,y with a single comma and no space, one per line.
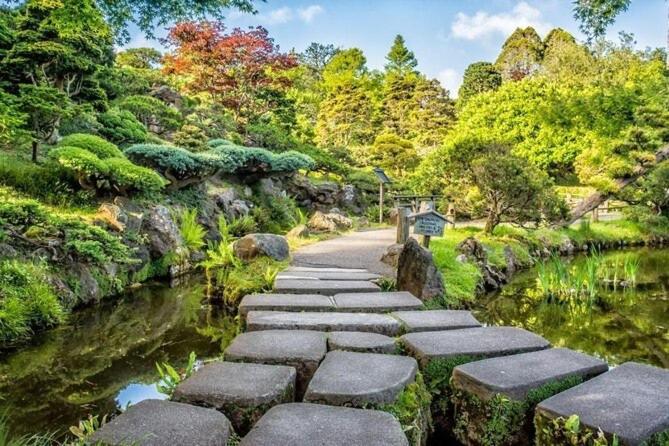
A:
100,147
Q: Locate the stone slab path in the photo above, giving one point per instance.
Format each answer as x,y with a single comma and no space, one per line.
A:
320,342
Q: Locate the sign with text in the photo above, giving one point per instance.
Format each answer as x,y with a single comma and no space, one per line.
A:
430,223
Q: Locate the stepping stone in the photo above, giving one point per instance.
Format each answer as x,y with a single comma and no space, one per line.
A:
243,392
630,401
325,287
481,342
281,320
477,384
353,341
316,425
435,320
285,302
358,379
377,302
301,349
327,275
327,269
157,423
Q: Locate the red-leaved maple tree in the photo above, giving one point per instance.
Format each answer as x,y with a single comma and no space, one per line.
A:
235,67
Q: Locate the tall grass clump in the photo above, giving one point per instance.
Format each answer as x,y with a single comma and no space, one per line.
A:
27,301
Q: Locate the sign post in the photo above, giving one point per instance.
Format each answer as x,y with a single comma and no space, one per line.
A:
429,224
383,180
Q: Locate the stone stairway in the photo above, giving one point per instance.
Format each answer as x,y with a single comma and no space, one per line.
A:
323,354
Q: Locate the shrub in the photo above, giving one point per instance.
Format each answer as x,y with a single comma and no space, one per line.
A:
121,127
83,165
178,165
323,161
152,112
219,142
27,301
98,146
258,161
191,137
270,136
127,177
241,226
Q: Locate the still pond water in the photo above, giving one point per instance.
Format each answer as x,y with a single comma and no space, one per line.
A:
104,359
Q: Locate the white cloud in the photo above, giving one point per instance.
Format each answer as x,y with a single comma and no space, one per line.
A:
310,12
277,16
450,80
483,24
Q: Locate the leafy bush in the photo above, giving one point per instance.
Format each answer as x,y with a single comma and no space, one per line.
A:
121,127
85,167
241,226
219,142
178,165
127,177
27,301
270,137
191,137
255,160
323,161
98,146
152,112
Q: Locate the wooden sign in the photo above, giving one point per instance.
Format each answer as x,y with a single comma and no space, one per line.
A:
429,223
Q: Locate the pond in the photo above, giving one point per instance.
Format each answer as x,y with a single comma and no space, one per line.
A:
621,324
105,357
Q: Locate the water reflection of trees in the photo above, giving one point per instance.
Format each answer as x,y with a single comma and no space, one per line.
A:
80,368
621,325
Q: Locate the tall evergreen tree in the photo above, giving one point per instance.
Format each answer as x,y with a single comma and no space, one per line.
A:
400,59
521,54
346,114
478,78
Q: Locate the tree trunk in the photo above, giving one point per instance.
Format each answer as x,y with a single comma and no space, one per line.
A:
35,147
597,198
491,222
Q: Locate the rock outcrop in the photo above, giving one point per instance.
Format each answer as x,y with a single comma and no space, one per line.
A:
255,245
330,222
417,272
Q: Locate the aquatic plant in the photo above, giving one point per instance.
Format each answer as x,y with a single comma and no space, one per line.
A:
87,427
170,377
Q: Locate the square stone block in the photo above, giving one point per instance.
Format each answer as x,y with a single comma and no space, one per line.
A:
377,302
359,379
435,320
243,392
159,423
317,425
285,302
508,388
301,349
365,322
630,401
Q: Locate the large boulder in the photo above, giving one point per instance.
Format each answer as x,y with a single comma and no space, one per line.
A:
162,232
330,222
417,272
255,245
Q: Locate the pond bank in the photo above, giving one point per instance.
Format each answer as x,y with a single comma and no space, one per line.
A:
474,263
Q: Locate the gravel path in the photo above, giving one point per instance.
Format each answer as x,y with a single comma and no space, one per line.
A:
361,249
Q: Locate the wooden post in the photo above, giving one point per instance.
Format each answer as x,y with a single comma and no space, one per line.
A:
450,214
426,241
381,203
402,225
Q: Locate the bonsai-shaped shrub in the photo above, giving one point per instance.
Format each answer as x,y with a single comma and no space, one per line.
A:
86,168
260,162
191,137
98,146
121,127
127,177
115,173
178,165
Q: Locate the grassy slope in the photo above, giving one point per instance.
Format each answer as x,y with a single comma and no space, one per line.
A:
461,278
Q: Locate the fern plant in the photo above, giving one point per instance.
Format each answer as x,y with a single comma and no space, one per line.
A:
192,232
170,377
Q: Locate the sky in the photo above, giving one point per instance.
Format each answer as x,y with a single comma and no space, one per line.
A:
445,35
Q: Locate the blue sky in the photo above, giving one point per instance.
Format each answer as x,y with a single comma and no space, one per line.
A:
445,35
